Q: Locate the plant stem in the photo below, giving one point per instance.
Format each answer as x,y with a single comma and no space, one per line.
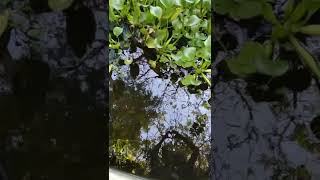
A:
206,79
306,56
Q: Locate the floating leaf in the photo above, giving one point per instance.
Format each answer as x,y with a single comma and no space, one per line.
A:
59,5
156,11
117,31
193,20
272,68
190,80
117,4
190,52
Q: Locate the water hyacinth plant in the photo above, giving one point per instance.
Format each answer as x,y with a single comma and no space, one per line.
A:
176,33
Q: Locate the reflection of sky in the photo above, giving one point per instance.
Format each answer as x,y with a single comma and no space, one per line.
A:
177,105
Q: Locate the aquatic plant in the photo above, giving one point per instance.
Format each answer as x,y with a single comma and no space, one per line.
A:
173,34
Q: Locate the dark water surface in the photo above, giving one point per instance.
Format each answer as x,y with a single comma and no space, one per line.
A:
150,109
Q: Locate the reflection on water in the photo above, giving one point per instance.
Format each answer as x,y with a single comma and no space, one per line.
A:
265,140
158,128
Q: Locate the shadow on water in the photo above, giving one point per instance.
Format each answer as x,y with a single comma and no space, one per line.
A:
159,129
50,129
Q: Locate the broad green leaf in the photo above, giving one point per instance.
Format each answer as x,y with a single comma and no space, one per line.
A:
117,31
241,68
193,20
271,68
3,21
190,80
167,3
59,5
177,24
190,53
117,4
153,43
156,11
244,63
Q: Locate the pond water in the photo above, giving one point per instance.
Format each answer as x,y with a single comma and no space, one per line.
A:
145,107
52,111
263,127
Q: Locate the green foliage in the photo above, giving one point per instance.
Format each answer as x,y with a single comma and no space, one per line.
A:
160,25
252,57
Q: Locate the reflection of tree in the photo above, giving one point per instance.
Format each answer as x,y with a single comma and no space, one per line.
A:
178,157
132,111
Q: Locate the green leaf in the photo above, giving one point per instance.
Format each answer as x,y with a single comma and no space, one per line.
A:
59,5
288,8
190,53
190,80
117,4
207,42
167,3
306,57
156,11
177,24
269,14
153,64
313,30
193,20
153,43
268,67
128,61
117,31
298,12
3,21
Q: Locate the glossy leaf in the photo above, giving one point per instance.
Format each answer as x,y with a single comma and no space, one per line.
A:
117,31
156,11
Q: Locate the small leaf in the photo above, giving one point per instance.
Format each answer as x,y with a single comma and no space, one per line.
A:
193,20
190,52
153,64
128,61
117,31
190,80
156,11
117,4
207,42
59,5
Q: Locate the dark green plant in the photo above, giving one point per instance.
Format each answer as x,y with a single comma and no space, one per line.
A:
255,57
